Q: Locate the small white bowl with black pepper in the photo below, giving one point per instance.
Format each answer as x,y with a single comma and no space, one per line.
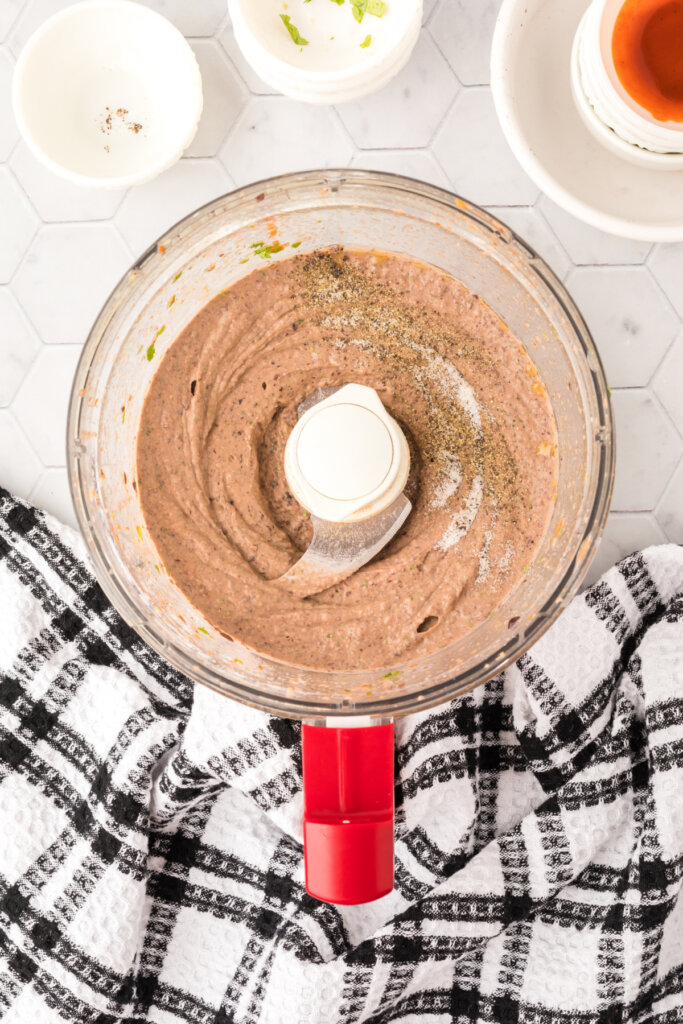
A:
107,93
326,51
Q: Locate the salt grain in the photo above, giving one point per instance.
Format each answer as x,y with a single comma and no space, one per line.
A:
506,561
449,479
461,523
484,564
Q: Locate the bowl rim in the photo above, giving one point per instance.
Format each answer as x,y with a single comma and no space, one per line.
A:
122,181
565,588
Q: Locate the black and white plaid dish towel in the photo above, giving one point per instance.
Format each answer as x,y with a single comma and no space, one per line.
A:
150,836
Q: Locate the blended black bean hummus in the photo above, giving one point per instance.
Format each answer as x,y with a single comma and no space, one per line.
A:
467,396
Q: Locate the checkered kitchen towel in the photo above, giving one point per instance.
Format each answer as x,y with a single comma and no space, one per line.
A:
150,848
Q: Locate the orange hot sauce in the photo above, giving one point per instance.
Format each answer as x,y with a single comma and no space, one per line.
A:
647,49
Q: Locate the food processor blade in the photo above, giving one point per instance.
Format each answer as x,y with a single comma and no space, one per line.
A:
339,549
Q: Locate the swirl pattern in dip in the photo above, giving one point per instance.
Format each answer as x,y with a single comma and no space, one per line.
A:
224,400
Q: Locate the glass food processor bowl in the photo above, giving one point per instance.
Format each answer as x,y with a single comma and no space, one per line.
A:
168,286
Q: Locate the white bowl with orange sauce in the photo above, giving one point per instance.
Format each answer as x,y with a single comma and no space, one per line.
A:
620,58
530,83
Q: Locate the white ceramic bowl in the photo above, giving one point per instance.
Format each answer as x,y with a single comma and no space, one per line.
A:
603,126
334,66
107,93
596,84
530,81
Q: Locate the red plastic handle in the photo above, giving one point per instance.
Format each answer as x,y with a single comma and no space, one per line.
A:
348,779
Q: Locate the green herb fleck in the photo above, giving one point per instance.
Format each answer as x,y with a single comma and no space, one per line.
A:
123,414
293,31
392,675
338,2
200,629
170,302
266,251
245,260
151,350
363,7
177,276
138,530
366,41
295,245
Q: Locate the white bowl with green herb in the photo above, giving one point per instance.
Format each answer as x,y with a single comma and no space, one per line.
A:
326,51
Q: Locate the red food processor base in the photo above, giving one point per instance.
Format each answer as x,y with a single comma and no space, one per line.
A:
348,776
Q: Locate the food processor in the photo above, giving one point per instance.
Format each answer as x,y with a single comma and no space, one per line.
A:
347,734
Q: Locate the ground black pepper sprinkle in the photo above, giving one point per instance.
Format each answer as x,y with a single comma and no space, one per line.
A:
365,312
107,122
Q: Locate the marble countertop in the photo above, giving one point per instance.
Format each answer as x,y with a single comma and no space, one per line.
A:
62,248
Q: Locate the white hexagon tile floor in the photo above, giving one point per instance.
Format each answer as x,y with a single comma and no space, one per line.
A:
62,247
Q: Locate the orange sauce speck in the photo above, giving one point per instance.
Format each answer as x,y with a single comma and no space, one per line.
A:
647,49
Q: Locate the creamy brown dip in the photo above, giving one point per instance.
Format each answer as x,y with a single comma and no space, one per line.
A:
224,400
